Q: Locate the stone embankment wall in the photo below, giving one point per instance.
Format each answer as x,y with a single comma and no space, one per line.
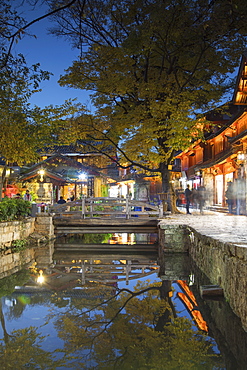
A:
14,262
44,225
174,238
10,231
225,264
38,228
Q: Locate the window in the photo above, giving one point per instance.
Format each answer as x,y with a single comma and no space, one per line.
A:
219,145
185,163
199,155
192,160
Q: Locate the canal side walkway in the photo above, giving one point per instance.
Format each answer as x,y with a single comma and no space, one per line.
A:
224,227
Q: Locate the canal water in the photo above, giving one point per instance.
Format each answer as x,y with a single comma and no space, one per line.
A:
85,308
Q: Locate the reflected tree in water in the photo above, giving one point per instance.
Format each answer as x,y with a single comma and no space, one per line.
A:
136,329
21,348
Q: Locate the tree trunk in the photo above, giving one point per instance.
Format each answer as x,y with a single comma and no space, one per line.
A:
2,182
166,317
2,320
167,189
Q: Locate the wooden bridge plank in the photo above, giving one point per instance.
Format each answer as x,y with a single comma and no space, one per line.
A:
68,255
99,221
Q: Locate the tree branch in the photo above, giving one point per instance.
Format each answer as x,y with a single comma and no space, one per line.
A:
20,30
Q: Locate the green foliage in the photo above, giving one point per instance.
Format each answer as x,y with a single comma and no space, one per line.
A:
14,209
23,130
22,350
134,330
19,245
153,68
7,284
96,238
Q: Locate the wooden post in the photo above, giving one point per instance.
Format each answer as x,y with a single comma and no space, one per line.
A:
127,208
83,200
91,208
128,270
83,277
161,210
91,265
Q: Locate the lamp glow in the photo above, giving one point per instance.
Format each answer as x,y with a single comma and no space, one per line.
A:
40,278
240,156
82,176
41,172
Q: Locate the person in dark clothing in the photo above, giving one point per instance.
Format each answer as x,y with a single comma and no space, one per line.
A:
61,200
187,195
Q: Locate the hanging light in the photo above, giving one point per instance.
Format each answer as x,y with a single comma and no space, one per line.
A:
41,172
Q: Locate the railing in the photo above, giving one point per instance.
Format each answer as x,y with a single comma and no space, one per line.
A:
104,206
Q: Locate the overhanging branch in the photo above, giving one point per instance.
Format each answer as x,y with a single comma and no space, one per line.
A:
20,30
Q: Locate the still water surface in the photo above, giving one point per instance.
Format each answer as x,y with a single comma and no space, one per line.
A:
115,311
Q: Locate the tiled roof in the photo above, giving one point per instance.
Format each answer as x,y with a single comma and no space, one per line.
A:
33,174
80,147
69,171
60,149
240,92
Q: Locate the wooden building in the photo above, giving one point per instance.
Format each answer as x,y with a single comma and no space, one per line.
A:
60,175
222,156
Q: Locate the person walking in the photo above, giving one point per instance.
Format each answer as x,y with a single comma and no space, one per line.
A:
187,195
230,196
201,193
239,195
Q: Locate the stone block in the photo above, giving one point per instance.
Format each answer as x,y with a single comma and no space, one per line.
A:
16,256
230,249
44,219
241,253
17,235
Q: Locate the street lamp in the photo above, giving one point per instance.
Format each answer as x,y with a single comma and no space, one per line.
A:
82,176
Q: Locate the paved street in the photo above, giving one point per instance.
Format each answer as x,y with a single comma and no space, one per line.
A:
221,226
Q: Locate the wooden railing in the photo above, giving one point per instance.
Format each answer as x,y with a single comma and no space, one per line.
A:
113,207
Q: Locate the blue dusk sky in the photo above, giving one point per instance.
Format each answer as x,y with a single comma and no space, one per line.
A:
54,55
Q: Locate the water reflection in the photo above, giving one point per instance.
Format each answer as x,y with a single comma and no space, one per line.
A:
105,328
128,242
108,311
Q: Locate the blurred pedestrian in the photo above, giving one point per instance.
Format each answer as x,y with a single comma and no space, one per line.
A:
188,194
201,195
239,195
194,199
230,196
